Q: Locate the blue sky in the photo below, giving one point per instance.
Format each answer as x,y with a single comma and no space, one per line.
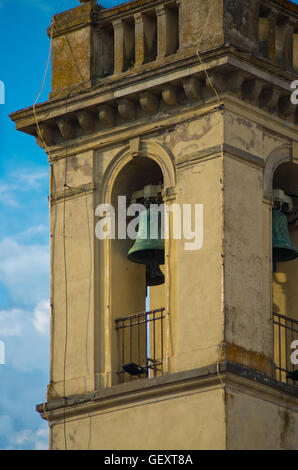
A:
24,227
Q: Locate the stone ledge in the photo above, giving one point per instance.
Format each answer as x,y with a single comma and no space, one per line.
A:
259,88
71,192
227,374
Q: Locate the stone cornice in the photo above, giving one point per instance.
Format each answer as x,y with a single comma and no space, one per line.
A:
112,88
141,128
229,376
285,6
145,128
111,91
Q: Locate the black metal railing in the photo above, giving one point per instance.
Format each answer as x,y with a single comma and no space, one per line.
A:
141,345
285,333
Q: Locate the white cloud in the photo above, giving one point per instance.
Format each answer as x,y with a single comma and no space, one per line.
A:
7,193
23,333
17,183
24,271
39,229
31,233
37,440
21,437
42,438
31,180
13,322
41,320
10,322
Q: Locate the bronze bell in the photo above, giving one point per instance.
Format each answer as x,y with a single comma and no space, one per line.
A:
147,250
282,247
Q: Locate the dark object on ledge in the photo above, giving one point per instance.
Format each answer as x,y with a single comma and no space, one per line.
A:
134,369
293,375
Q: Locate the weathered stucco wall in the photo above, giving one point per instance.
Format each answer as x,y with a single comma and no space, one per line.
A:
179,421
72,64
197,34
199,321
72,263
255,423
247,235
247,324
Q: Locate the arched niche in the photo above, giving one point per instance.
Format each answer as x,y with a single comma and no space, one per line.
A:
281,154
129,170
127,286
285,277
148,149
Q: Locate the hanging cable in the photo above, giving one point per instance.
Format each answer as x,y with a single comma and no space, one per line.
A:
66,186
39,134
52,191
212,86
65,276
90,284
201,61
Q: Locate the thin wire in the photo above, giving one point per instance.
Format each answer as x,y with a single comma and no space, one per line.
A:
65,266
65,260
37,123
218,363
52,238
200,58
65,280
39,134
41,88
64,230
90,430
168,318
89,290
88,225
218,100
74,60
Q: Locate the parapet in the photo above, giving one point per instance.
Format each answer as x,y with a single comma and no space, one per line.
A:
113,66
91,43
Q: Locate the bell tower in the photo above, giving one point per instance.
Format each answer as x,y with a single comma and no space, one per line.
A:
184,341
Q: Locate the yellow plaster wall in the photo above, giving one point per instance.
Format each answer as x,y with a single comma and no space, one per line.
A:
180,421
246,324
71,61
72,265
259,424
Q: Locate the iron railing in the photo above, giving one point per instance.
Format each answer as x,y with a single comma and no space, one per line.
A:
285,333
141,345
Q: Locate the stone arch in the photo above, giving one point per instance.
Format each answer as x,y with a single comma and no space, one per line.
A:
109,258
146,148
281,154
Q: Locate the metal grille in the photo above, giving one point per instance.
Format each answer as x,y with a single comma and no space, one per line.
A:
285,332
141,343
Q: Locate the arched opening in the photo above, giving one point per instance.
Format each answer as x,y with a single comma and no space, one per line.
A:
136,333
285,268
